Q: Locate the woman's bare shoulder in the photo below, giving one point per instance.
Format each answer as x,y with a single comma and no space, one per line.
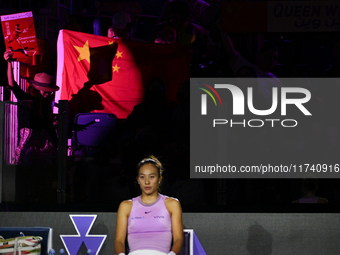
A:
126,203
125,206
171,200
172,203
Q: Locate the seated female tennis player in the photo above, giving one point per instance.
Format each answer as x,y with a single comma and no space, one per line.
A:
151,221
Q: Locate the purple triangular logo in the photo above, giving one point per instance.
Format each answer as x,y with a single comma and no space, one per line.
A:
83,225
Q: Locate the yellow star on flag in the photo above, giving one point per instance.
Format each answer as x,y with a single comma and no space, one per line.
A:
111,42
84,52
116,68
119,54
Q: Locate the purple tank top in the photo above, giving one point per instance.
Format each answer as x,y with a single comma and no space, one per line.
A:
149,226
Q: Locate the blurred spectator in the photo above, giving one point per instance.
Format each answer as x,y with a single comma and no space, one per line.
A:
111,7
166,33
101,25
267,59
309,188
121,27
179,16
202,13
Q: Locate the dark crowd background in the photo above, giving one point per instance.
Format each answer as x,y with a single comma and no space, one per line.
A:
101,178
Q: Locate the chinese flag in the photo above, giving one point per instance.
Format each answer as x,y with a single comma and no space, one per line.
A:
101,74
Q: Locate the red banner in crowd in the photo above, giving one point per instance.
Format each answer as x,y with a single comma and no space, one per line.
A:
101,74
19,34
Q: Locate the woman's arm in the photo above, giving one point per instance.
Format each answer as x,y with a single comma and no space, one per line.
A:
8,56
18,92
175,211
121,226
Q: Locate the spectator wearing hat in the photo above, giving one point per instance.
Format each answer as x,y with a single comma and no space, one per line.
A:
38,138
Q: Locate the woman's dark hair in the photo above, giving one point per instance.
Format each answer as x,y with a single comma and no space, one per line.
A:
151,160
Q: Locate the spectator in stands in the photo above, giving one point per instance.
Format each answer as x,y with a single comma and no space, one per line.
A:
121,27
309,188
101,25
105,8
202,13
38,138
166,34
186,31
267,59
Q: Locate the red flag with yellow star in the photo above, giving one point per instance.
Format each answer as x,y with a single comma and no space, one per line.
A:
101,74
